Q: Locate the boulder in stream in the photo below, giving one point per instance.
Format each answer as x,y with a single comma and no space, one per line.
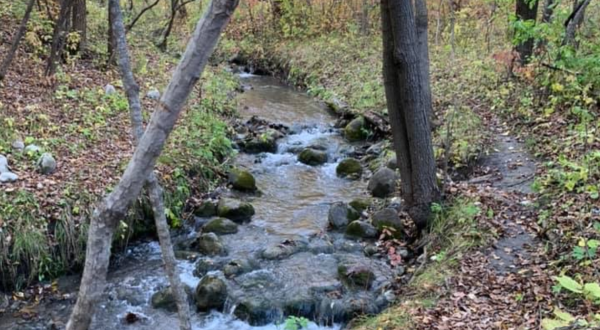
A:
241,180
164,299
356,130
207,208
211,293
349,168
235,210
382,183
361,229
340,214
312,157
205,265
356,275
210,244
220,226
260,141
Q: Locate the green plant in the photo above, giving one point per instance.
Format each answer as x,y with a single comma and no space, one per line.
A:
295,323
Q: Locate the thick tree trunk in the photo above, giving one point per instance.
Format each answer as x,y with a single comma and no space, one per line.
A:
115,205
573,23
79,20
409,101
58,37
526,10
422,23
16,40
153,186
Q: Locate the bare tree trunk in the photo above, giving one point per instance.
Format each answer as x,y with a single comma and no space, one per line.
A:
58,37
422,24
573,22
409,101
110,46
16,40
79,20
114,206
438,27
526,10
175,7
153,186
548,11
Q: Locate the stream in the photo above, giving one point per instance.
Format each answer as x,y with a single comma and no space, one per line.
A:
291,210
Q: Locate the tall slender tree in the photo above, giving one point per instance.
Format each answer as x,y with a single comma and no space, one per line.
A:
58,36
114,206
526,11
16,40
405,70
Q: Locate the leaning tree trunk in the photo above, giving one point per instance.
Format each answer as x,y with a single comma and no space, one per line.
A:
16,40
526,10
573,23
60,28
155,190
79,20
408,101
114,206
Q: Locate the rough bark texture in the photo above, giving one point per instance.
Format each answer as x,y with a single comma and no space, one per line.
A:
526,10
153,186
58,37
16,40
573,23
79,20
408,101
422,22
114,207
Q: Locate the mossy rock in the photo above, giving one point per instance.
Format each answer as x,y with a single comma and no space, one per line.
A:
389,218
356,130
355,275
220,226
210,244
360,204
349,168
265,142
206,209
235,210
312,157
164,299
211,293
361,229
242,180
340,214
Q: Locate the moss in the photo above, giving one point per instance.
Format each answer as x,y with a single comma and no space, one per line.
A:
350,168
242,180
361,204
206,209
356,130
312,157
235,210
221,226
360,229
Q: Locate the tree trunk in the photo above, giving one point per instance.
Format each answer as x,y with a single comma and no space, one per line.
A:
110,45
16,40
548,11
60,28
408,101
155,190
526,10
573,23
422,23
114,206
79,20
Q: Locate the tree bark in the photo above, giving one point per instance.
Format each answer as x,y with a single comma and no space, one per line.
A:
548,11
408,101
114,206
153,186
79,20
526,10
16,40
58,37
573,23
422,23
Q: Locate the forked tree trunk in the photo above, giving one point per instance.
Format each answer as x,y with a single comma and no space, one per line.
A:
114,206
573,23
153,186
408,101
16,40
58,37
526,10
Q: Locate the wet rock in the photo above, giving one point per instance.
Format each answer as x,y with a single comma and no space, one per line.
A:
242,180
360,204
370,250
283,250
32,150
207,208
186,255
260,142
206,265
361,229
210,244
257,311
387,217
347,308
356,130
235,210
220,226
238,267
349,168
382,183
319,245
18,145
109,89
164,299
356,275
340,214
211,293
320,144
312,157
153,94
46,164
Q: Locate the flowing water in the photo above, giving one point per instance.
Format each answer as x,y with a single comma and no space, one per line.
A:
292,206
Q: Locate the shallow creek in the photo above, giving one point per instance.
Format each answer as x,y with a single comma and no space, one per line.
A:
292,206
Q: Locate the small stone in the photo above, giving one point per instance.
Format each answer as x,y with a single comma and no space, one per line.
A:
6,177
206,209
153,94
340,214
164,299
32,150
382,183
278,252
370,250
392,162
361,229
242,180
349,168
361,204
237,267
387,217
220,226
46,164
356,275
356,130
18,145
235,210
3,164
206,265
211,293
109,89
210,244
312,157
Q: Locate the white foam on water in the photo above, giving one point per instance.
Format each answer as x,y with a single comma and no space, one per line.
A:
186,275
246,75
